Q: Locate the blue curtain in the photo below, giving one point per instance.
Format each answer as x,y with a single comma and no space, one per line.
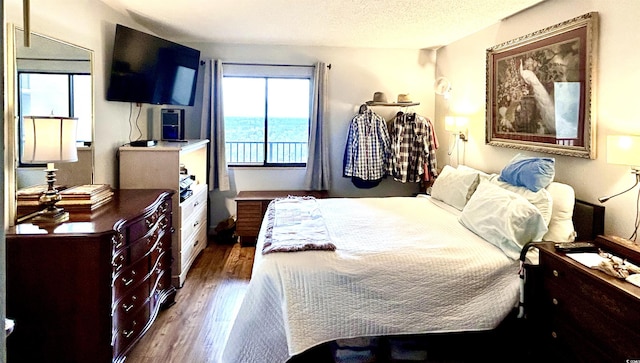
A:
212,125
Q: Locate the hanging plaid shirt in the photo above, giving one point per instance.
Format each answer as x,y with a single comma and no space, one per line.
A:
366,155
412,152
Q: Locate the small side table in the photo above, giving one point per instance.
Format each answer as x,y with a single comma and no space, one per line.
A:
252,205
588,314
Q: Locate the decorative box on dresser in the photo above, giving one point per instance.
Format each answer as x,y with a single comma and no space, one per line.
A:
590,316
251,206
86,290
159,167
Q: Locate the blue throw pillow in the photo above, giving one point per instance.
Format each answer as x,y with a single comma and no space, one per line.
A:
529,172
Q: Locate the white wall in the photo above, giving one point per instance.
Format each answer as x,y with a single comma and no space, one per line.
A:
463,62
356,73
89,24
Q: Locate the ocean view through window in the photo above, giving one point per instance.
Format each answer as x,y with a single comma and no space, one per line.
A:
266,120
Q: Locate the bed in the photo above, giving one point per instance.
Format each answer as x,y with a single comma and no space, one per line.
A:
391,266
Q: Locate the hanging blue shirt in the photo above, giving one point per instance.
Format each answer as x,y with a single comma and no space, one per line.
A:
368,147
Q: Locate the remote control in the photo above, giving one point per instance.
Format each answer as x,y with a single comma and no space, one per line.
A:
576,246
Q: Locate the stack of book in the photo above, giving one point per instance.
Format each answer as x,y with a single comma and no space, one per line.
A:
81,198
28,199
85,198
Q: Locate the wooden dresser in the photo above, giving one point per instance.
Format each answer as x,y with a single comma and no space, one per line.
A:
588,315
251,206
87,290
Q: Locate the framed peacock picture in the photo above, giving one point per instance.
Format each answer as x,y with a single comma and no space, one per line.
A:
539,90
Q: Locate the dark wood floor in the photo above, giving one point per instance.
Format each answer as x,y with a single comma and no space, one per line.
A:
196,327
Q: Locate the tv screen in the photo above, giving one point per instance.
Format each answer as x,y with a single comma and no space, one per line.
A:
148,69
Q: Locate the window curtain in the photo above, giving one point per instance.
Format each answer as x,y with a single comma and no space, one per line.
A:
212,125
317,174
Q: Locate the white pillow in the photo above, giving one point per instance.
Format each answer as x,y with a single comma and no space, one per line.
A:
481,174
503,218
561,227
454,187
541,199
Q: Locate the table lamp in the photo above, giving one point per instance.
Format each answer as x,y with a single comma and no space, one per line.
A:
49,139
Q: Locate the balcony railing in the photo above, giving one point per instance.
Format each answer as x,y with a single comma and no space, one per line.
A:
249,152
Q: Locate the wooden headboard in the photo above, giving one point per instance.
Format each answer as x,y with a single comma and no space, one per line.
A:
588,220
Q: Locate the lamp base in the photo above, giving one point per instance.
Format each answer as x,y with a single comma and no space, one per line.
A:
50,216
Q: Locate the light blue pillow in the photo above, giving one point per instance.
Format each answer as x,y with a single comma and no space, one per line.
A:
529,172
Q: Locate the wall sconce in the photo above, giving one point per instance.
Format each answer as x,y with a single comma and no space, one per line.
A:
49,139
625,150
457,125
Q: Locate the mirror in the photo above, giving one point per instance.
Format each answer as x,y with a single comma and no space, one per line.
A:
51,77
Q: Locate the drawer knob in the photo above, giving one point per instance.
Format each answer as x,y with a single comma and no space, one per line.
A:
554,335
128,308
128,333
554,301
555,273
196,243
118,241
119,263
129,281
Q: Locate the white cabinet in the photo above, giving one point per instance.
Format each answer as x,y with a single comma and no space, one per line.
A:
159,167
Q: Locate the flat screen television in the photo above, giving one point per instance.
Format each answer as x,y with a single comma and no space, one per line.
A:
148,69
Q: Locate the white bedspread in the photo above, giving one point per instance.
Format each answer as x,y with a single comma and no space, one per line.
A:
401,266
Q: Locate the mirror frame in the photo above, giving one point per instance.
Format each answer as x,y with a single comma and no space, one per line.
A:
12,118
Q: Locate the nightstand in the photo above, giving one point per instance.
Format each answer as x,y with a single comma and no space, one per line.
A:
252,205
589,316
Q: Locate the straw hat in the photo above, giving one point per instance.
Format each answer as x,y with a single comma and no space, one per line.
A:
404,98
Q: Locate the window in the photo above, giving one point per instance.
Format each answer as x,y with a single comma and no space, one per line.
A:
45,94
266,114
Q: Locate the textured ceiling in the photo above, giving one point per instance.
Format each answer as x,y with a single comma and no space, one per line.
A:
412,24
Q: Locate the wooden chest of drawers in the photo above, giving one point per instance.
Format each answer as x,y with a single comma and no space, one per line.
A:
251,206
87,290
589,316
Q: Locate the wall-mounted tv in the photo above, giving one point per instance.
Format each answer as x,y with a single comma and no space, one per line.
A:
148,69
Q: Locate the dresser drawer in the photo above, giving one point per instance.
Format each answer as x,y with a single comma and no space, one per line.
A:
127,334
127,308
191,204
162,280
593,322
129,278
191,225
136,250
159,278
570,344
193,245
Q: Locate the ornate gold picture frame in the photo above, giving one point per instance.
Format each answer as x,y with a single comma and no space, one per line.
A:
540,90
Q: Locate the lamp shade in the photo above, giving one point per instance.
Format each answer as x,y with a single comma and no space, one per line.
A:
49,139
622,149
